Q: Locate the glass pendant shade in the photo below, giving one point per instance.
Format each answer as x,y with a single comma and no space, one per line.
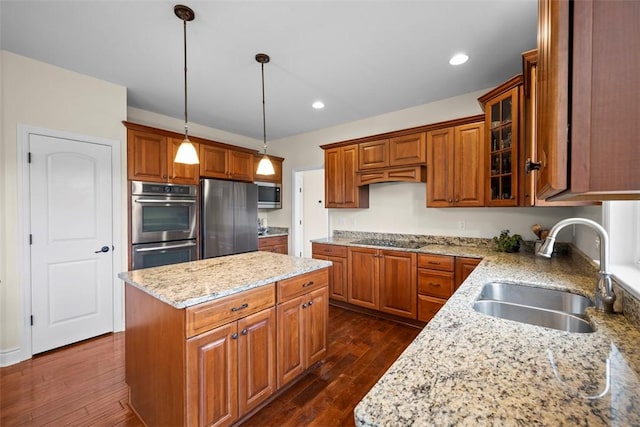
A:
265,167
187,153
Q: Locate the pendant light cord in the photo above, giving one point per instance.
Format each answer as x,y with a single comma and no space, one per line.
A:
186,128
264,120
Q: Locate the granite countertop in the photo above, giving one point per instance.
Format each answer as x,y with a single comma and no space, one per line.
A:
268,234
468,368
190,283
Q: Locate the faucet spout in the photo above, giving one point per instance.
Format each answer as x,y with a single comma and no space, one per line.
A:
604,294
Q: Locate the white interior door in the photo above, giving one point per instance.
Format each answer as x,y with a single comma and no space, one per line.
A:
315,217
71,222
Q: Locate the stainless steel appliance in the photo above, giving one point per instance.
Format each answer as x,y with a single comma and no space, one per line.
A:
269,195
229,216
163,223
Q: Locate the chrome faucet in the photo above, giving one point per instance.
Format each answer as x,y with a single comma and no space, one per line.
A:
605,297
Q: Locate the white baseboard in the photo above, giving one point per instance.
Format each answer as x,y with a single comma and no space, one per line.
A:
11,356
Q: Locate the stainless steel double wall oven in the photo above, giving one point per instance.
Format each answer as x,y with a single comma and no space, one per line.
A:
163,224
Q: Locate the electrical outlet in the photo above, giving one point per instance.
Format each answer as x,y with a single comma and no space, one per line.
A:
462,225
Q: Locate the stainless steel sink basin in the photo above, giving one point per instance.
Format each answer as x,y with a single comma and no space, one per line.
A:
536,306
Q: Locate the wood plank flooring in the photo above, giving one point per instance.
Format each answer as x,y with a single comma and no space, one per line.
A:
83,384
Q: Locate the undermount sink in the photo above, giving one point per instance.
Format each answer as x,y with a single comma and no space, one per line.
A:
536,306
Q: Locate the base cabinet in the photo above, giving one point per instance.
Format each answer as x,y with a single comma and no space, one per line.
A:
338,272
302,330
277,244
383,280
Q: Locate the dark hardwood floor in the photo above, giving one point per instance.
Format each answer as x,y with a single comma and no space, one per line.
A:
83,384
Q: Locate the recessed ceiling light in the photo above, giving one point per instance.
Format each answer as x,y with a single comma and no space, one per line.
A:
459,58
318,105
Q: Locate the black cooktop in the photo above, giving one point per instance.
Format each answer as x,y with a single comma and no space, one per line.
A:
404,244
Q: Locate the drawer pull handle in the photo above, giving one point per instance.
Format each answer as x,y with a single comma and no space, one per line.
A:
434,284
306,284
242,307
434,263
245,332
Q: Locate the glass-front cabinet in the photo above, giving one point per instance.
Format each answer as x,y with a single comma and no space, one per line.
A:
502,117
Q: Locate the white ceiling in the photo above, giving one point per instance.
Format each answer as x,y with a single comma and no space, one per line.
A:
362,58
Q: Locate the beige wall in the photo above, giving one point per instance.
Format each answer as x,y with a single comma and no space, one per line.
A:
42,95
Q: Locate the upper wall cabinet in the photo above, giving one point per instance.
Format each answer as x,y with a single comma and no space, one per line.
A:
502,121
341,189
455,166
588,105
150,158
277,166
391,152
224,163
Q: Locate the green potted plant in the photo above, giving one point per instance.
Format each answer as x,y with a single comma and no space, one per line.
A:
506,242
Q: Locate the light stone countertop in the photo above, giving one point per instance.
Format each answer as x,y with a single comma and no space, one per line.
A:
260,236
190,283
470,369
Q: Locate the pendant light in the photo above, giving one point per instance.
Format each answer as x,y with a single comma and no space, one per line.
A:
265,167
187,153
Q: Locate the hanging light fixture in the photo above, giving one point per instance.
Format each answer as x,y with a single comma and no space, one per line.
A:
265,167
187,153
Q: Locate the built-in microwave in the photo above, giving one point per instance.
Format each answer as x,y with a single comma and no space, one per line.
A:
269,194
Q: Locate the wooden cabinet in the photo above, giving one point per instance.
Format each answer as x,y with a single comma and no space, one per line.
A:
150,158
277,244
396,151
338,272
303,312
464,266
455,166
341,189
383,280
231,369
225,163
277,167
502,108
587,106
435,283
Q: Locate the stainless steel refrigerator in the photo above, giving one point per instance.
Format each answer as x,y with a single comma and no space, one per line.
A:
229,217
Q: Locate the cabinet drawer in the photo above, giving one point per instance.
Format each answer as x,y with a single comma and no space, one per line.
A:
436,262
264,242
331,250
298,285
434,283
206,316
428,307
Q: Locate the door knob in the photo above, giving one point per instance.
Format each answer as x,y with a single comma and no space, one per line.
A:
103,249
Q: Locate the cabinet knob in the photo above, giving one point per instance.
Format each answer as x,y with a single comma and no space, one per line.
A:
235,336
305,305
245,332
310,303
450,201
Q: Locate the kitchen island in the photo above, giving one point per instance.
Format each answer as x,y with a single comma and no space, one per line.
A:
468,368
208,342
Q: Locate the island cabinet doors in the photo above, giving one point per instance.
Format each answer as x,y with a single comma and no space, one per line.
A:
231,369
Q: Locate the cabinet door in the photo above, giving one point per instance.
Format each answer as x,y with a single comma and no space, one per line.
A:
373,154
179,173
440,168
316,320
428,307
407,150
333,178
398,271
552,102
363,286
464,267
469,165
256,359
240,165
146,156
213,161
212,369
501,147
290,340
350,187
338,278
